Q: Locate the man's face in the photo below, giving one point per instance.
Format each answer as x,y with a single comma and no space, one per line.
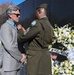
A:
15,16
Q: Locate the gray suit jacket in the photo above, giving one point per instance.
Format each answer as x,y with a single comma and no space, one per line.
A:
1,54
11,53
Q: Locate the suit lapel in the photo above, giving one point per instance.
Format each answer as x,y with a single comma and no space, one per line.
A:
11,25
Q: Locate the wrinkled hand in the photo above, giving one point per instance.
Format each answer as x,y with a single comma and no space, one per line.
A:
23,58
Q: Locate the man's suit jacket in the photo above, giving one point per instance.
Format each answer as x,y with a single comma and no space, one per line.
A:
1,54
11,53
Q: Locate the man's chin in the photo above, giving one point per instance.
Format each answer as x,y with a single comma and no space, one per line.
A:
17,21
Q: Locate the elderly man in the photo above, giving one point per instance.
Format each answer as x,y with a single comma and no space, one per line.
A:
12,57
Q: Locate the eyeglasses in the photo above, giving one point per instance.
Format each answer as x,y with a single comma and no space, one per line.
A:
16,14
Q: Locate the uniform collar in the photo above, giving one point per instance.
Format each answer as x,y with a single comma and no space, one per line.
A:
44,18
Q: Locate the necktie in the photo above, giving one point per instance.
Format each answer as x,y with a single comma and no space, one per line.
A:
15,26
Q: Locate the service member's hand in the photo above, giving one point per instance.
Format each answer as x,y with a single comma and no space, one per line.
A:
23,29
19,26
54,56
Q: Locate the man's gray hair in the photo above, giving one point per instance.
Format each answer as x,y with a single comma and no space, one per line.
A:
11,9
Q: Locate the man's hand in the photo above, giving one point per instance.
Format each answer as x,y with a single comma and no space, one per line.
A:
23,58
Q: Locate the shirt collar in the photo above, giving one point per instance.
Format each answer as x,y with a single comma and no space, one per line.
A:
11,22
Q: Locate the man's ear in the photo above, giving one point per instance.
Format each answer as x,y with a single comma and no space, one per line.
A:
10,15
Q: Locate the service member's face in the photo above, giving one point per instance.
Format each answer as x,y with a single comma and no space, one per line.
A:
37,14
15,16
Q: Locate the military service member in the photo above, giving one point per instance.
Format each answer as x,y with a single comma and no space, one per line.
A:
39,37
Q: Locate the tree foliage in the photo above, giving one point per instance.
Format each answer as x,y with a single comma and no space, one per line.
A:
3,7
